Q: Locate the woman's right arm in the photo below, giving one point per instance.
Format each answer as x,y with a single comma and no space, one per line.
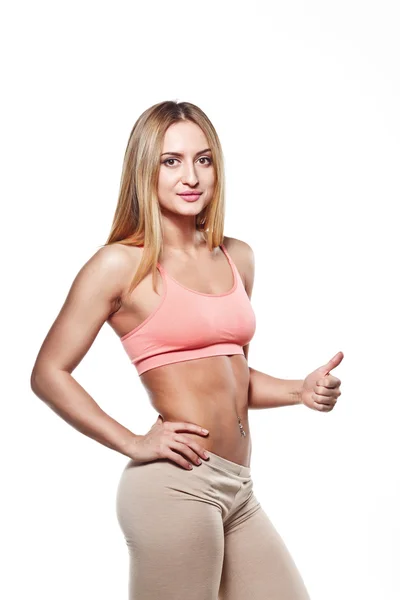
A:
93,297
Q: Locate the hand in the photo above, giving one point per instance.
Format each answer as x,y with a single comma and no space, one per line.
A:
163,438
320,389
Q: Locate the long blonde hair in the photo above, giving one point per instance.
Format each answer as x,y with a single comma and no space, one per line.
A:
137,218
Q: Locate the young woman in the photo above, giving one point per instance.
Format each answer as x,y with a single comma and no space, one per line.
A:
177,293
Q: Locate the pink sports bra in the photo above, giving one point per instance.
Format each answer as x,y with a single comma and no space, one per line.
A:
188,324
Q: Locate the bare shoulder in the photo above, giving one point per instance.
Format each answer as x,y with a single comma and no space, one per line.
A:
116,256
93,296
243,256
240,250
113,263
237,245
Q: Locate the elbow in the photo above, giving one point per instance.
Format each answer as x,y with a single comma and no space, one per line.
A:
36,377
39,379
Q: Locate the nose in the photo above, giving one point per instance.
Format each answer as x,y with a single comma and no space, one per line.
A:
189,175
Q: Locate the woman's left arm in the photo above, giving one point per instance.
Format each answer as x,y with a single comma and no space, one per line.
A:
319,390
266,391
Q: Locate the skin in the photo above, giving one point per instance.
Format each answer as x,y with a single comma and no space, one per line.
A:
209,391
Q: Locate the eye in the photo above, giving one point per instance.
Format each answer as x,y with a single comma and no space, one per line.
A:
208,158
168,163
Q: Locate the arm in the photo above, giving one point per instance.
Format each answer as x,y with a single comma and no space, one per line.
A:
266,391
91,300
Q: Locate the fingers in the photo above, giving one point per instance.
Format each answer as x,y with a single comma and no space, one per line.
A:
182,426
323,407
329,382
192,444
188,452
177,458
182,444
322,403
325,392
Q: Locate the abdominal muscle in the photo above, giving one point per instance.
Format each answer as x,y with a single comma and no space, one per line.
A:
211,392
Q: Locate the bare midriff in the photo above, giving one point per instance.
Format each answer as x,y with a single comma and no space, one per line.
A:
211,392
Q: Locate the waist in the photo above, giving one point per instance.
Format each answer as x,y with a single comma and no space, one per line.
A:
230,444
225,418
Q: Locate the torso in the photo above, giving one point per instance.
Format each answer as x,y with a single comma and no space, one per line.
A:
211,392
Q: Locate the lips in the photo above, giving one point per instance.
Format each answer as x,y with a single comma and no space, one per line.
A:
192,196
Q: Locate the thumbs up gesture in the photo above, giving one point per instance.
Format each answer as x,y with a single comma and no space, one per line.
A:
320,389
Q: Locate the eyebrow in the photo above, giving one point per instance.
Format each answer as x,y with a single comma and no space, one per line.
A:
181,155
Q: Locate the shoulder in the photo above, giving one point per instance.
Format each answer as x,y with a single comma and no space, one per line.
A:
110,266
240,251
239,247
243,256
116,256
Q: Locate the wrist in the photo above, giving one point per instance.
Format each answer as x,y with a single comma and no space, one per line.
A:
130,450
298,391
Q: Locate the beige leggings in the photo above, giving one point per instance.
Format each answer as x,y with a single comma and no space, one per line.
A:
201,535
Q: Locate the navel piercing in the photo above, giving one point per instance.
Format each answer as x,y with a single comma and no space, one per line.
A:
242,431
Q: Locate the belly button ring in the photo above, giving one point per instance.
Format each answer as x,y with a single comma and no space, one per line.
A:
242,431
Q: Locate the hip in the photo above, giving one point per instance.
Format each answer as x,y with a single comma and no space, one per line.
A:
147,488
229,435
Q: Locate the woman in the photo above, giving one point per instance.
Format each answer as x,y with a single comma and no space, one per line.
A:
177,293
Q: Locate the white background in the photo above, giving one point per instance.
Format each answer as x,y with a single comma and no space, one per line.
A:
305,97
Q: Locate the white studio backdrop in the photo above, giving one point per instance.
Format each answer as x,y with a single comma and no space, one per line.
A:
304,97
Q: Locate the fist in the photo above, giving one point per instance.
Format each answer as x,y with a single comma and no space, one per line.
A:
320,389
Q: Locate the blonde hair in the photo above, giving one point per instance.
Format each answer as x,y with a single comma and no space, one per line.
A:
137,218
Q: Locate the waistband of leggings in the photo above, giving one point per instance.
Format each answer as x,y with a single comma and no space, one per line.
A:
227,465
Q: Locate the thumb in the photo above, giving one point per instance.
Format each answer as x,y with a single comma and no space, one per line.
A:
159,418
334,362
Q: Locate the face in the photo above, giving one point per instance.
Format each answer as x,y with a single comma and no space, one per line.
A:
185,166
